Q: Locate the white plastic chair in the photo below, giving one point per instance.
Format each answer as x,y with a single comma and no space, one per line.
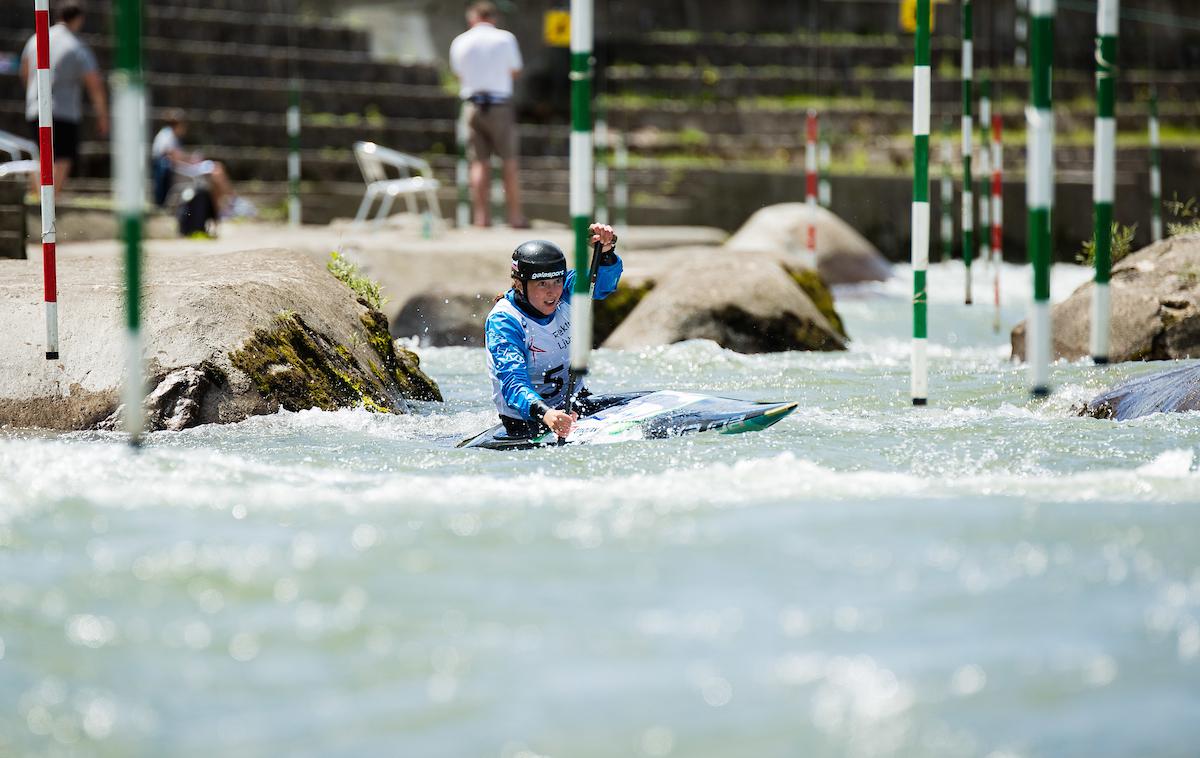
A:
413,178
17,148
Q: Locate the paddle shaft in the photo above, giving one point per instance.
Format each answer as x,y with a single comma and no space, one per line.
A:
574,374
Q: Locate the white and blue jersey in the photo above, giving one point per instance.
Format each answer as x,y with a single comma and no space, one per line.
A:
528,354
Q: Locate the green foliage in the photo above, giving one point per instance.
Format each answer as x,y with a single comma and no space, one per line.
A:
1122,244
818,292
692,137
1188,214
612,310
347,272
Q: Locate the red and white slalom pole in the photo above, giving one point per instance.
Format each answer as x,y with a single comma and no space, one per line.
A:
41,10
997,211
810,168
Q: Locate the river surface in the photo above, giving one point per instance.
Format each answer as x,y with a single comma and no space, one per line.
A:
986,576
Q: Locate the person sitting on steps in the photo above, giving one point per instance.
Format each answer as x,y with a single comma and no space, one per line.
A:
168,158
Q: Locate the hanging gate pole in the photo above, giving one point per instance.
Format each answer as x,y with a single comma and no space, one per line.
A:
581,200
41,12
947,192
968,125
997,213
1104,174
1156,220
810,176
985,169
920,207
129,190
1040,193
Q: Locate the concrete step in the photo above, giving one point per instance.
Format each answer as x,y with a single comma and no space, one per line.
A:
845,46
848,121
737,82
324,202
210,24
201,95
199,58
750,16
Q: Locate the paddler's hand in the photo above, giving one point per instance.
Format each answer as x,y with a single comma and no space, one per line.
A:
604,234
560,423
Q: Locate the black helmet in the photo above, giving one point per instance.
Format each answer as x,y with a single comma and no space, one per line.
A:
538,259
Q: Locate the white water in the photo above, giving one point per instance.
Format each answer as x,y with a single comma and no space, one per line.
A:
990,575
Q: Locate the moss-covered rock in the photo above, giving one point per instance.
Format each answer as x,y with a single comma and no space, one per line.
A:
399,364
818,291
417,384
296,368
1155,296
747,303
612,310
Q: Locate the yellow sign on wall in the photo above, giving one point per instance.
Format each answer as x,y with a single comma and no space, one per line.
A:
908,15
557,29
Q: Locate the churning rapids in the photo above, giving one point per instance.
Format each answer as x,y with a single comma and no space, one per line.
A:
987,576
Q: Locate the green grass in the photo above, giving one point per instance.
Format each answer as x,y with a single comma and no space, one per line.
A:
1121,246
347,272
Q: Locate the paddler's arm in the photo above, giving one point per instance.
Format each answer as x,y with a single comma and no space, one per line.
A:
609,274
506,345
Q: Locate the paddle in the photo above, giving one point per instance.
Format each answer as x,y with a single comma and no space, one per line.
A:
581,329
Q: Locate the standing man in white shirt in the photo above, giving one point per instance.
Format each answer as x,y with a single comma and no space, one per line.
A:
73,69
486,60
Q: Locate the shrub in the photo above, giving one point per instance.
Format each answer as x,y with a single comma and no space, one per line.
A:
347,272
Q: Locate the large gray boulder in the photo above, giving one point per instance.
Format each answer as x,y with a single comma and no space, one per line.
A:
1155,308
226,336
843,255
748,303
444,317
1171,391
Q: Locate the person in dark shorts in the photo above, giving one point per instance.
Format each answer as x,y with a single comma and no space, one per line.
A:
73,69
486,60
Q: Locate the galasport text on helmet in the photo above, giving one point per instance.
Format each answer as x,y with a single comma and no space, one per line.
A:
538,259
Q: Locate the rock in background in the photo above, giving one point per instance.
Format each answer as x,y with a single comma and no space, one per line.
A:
748,303
226,335
843,255
444,317
1155,308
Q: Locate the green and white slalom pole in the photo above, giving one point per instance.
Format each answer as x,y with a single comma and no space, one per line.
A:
293,128
581,186
922,78
462,176
824,188
947,191
1020,33
1156,218
601,169
1039,189
1104,173
621,186
968,126
985,170
129,192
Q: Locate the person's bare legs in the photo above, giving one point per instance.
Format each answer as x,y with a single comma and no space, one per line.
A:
512,193
62,170
220,187
479,193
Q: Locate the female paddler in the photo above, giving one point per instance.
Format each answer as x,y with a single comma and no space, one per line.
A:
528,335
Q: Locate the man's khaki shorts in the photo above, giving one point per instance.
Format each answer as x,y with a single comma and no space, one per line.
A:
492,130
